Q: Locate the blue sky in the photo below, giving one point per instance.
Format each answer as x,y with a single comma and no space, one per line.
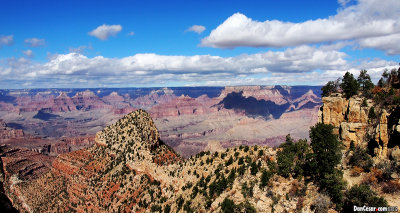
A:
150,43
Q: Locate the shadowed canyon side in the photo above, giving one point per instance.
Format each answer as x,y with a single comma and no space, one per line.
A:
190,119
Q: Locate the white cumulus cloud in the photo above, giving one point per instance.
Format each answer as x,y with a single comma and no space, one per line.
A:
366,19
343,3
196,28
35,42
6,40
28,53
309,65
81,49
390,43
103,32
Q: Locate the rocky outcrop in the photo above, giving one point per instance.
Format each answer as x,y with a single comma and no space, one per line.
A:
27,164
381,134
9,133
347,116
351,122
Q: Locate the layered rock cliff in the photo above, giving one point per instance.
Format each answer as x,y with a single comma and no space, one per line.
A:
352,122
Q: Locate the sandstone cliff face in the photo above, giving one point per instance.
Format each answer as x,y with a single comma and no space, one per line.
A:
351,122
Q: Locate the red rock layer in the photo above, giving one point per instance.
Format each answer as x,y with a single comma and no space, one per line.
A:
183,105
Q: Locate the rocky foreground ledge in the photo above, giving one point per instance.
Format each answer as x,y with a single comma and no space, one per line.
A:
130,169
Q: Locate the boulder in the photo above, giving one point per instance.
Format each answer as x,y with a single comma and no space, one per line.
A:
396,153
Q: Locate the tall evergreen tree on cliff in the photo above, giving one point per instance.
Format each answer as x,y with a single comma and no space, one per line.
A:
326,148
349,85
326,156
364,80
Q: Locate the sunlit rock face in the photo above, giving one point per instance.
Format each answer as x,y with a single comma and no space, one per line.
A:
351,122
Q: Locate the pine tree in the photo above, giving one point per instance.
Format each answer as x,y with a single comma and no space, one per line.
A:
364,80
349,85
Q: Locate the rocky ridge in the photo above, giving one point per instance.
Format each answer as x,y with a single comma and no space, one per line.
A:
130,169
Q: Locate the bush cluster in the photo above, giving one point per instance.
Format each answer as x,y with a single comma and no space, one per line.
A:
362,195
361,159
291,159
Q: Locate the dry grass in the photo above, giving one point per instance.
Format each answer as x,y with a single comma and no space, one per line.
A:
356,171
373,177
391,187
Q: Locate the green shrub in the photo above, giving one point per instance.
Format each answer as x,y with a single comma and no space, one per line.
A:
387,168
272,165
361,159
352,146
228,206
179,202
195,190
231,177
218,186
364,103
364,80
371,113
246,207
156,208
247,191
241,161
187,207
167,208
253,168
242,170
260,153
292,158
362,195
229,162
329,88
333,185
326,155
266,175
326,149
285,160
